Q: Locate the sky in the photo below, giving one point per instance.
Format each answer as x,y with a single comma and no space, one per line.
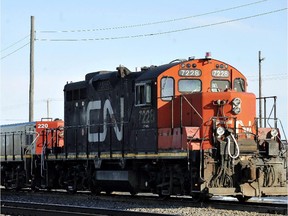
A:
76,37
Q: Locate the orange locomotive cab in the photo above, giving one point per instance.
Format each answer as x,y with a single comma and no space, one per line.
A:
50,135
197,92
204,109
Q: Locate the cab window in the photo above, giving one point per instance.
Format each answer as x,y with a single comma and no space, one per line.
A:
167,88
219,85
142,94
239,85
189,86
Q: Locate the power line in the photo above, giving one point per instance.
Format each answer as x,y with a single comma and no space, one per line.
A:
10,120
269,78
15,43
162,33
15,51
151,23
40,101
268,75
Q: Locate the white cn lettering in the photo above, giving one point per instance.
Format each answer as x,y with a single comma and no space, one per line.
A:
246,129
107,108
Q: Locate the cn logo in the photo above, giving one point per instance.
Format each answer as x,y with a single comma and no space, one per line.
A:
246,129
107,109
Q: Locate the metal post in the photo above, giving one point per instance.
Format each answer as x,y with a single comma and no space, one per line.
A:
48,100
260,90
265,117
31,86
275,115
172,113
5,147
181,112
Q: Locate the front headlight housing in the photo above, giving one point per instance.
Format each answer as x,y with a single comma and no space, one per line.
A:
236,101
220,131
236,110
236,105
274,132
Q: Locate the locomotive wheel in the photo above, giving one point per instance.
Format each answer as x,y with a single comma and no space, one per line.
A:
34,188
93,186
95,190
163,196
108,192
133,193
200,197
243,199
71,189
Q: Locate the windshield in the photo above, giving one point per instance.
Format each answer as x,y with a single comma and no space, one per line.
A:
239,85
219,85
189,86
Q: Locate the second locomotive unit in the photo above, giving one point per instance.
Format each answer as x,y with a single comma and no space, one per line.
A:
185,128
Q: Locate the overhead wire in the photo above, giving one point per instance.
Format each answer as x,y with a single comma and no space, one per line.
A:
280,76
40,101
271,75
269,78
152,23
162,33
15,43
15,51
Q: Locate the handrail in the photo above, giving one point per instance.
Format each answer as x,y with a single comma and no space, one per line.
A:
265,110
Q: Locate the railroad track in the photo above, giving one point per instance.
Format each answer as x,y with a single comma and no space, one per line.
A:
31,209
141,201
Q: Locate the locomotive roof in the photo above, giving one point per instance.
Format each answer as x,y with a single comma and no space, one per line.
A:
154,72
74,85
17,124
145,74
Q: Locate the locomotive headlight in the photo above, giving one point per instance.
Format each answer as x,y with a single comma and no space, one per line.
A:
220,131
236,110
236,101
274,132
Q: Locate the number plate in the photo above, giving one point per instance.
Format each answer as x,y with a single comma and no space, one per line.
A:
220,73
193,73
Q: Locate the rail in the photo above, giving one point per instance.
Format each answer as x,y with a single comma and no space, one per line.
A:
264,205
27,208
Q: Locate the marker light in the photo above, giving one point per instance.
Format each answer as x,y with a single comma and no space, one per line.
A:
236,101
236,105
208,55
220,131
236,110
274,132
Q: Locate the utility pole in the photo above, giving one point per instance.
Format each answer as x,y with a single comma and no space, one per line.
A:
31,85
260,90
48,100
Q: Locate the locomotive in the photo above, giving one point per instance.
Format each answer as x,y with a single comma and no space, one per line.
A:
184,128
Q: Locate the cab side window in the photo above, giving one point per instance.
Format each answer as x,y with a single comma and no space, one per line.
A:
239,85
142,94
167,88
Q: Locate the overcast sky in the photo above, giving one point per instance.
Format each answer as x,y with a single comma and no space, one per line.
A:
77,37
